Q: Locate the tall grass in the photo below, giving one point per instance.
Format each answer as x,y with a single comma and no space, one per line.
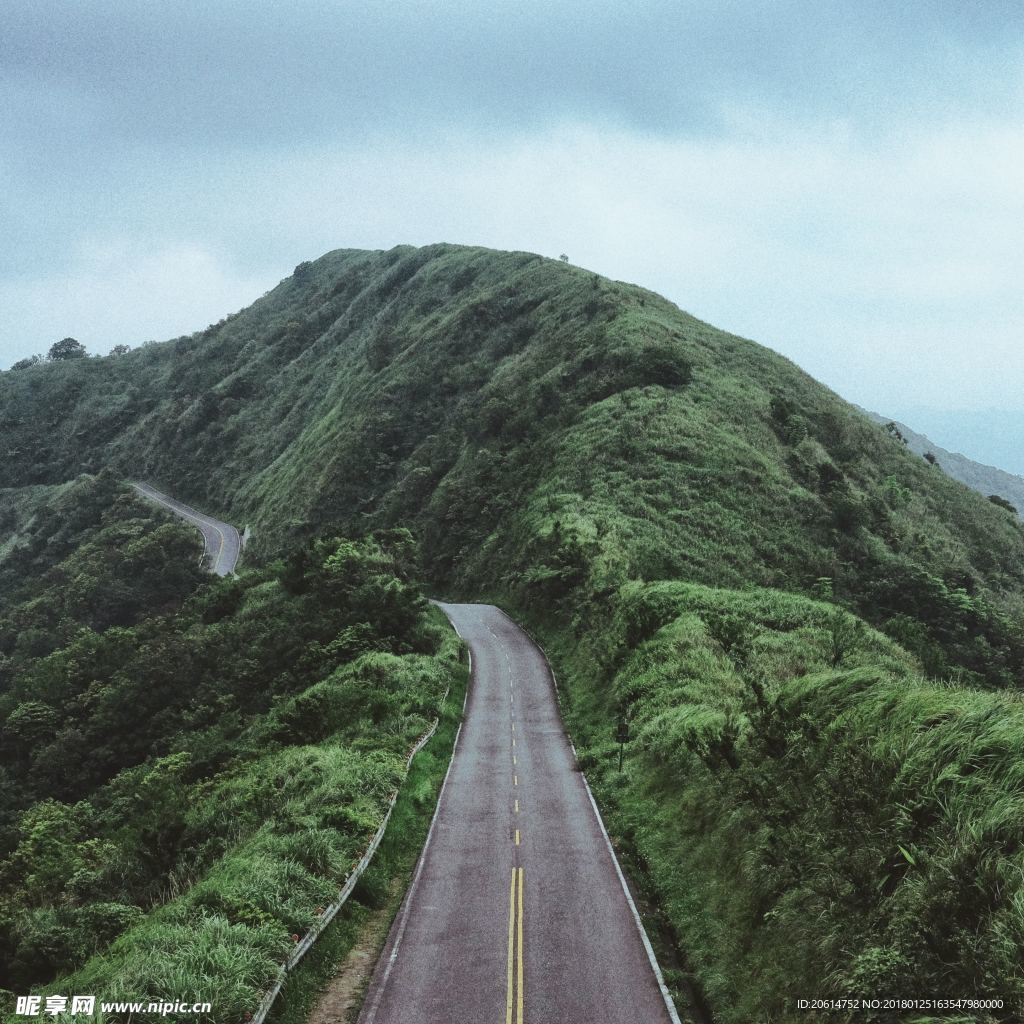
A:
293,824
812,820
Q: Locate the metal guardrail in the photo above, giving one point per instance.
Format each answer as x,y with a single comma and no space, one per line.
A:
307,941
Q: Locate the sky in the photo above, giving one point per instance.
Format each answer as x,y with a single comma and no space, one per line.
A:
841,181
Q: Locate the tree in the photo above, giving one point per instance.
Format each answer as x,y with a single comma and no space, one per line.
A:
895,432
29,724
998,499
120,350
564,258
23,364
781,408
930,458
67,348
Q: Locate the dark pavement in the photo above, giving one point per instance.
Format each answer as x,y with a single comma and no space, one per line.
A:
516,912
223,544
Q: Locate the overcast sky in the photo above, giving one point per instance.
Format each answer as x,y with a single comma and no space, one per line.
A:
841,181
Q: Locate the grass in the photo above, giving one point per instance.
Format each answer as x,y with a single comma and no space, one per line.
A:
299,819
484,398
187,786
389,874
811,814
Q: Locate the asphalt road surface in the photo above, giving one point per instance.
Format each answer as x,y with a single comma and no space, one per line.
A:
222,543
517,911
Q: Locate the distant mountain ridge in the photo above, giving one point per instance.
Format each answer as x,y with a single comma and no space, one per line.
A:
976,475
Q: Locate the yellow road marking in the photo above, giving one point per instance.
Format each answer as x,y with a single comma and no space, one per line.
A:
513,742
511,947
220,550
513,726
517,837
515,780
519,979
514,759
517,807
198,518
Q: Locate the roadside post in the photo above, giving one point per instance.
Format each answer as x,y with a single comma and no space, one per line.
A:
622,735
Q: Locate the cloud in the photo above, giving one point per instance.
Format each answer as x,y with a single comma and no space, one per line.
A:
113,293
889,266
263,75
838,182
866,263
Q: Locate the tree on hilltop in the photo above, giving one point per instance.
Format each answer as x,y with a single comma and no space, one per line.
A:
66,348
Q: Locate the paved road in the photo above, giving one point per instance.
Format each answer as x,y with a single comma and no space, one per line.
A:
517,912
222,543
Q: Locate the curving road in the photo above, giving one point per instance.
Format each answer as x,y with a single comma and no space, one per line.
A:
517,911
222,542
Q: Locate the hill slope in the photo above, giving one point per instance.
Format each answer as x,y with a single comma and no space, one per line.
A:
683,514
984,479
139,696
519,412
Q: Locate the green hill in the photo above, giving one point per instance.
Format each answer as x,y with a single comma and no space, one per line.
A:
531,421
139,698
684,515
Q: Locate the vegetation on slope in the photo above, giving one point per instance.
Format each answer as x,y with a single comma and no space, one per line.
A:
813,816
192,765
994,483
532,421
563,442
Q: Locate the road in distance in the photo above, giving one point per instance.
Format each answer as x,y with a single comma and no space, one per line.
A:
223,544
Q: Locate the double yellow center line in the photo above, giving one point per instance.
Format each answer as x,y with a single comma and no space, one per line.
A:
514,990
514,987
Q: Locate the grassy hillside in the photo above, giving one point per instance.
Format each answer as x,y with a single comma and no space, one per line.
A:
810,813
534,423
191,765
558,440
987,480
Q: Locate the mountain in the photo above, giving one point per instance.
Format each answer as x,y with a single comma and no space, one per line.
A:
811,636
487,398
987,480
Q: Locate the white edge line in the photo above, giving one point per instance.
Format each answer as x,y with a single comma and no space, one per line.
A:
378,995
399,935
666,995
659,977
304,946
267,1002
197,517
157,498
469,656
